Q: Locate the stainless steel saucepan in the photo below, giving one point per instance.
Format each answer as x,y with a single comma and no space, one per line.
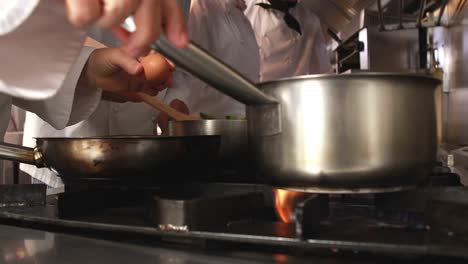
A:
130,159
369,132
233,149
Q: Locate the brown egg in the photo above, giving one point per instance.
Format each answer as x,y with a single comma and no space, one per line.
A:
156,68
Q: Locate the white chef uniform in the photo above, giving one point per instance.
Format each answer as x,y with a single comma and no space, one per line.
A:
283,51
222,29
38,47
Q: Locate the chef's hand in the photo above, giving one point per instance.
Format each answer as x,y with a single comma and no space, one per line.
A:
118,75
151,17
163,119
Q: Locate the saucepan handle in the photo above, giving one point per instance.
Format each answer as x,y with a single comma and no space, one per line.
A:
214,72
21,154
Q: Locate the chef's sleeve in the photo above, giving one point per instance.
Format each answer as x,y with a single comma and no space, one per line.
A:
38,46
73,102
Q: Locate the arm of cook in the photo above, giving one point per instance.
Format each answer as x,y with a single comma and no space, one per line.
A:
36,68
73,102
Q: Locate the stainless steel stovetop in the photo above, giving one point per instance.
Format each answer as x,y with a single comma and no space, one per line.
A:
426,224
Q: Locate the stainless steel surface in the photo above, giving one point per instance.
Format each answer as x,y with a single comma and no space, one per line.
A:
396,47
11,173
129,158
22,245
392,50
364,227
452,46
336,14
19,154
196,213
383,51
395,51
390,16
234,137
458,162
395,19
348,133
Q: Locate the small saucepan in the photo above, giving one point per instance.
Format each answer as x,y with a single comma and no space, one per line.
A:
233,147
234,139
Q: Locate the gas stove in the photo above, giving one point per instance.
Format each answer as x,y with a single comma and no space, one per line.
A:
425,224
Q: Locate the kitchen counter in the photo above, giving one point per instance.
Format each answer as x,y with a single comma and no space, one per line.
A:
20,245
34,233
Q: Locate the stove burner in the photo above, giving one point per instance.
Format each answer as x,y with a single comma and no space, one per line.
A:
447,212
204,213
170,208
22,195
309,214
88,202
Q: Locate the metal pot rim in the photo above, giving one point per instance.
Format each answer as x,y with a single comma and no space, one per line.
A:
210,121
352,75
119,138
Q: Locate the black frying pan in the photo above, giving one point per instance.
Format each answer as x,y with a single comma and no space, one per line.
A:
121,158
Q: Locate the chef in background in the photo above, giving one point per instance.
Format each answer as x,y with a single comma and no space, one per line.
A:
290,38
220,27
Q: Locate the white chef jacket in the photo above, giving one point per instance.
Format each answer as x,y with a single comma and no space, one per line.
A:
283,51
108,119
38,47
222,29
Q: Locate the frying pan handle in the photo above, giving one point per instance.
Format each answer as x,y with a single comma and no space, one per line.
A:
209,69
21,154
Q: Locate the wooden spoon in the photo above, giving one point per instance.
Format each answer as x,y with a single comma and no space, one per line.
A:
161,106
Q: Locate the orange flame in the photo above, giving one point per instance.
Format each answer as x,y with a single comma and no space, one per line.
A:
281,258
286,201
